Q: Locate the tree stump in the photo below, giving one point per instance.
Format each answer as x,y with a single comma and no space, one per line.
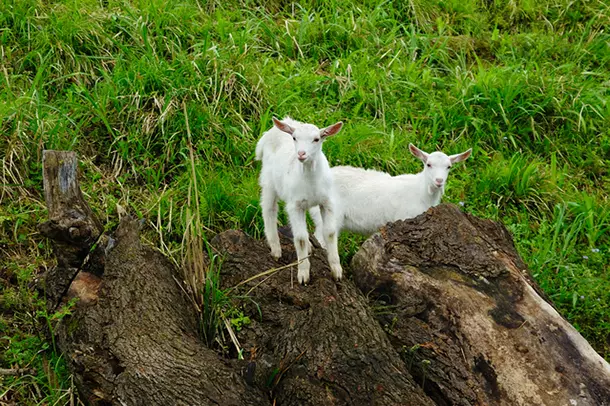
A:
132,338
72,227
441,311
465,312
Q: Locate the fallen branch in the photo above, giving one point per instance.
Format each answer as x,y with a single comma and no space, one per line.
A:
17,371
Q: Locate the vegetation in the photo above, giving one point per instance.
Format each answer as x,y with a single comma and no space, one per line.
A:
525,83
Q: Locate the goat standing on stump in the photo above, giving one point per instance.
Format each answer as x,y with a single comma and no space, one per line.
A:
297,172
370,199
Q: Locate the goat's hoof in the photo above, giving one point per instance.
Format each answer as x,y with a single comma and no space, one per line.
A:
336,272
276,252
303,276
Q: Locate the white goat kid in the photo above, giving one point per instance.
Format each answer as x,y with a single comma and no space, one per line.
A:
369,199
296,171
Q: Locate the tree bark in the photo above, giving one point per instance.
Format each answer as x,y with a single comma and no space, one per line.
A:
441,310
322,338
465,312
132,338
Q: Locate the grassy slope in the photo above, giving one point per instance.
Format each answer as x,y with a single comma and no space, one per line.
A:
525,83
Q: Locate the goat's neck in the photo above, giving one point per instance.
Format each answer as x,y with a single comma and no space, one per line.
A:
435,194
432,193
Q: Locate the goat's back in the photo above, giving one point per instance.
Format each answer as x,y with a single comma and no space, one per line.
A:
369,199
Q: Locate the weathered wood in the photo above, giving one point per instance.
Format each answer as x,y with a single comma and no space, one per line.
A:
61,187
462,306
322,337
17,371
72,226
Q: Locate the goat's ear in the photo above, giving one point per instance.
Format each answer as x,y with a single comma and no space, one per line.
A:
331,130
460,157
283,126
418,153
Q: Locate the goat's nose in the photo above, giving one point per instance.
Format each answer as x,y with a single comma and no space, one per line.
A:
439,181
301,154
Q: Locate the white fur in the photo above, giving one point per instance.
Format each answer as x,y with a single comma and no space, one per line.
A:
296,171
369,199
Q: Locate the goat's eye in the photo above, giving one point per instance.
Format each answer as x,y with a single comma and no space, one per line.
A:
294,138
316,139
429,166
449,167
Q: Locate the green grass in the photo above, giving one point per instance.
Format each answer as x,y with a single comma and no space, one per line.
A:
24,342
526,84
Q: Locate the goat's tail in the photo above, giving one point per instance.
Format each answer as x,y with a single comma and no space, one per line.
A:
260,146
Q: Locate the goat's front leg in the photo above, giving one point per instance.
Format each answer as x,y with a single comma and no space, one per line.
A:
330,232
296,215
269,205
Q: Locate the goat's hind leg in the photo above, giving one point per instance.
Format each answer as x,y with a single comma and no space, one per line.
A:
269,200
316,216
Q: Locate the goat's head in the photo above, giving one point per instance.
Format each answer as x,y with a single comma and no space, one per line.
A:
307,137
437,164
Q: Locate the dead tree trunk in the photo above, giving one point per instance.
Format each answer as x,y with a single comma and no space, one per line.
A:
72,226
132,339
313,345
465,313
447,307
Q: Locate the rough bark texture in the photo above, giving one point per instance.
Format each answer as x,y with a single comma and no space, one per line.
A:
441,302
463,308
132,338
323,337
